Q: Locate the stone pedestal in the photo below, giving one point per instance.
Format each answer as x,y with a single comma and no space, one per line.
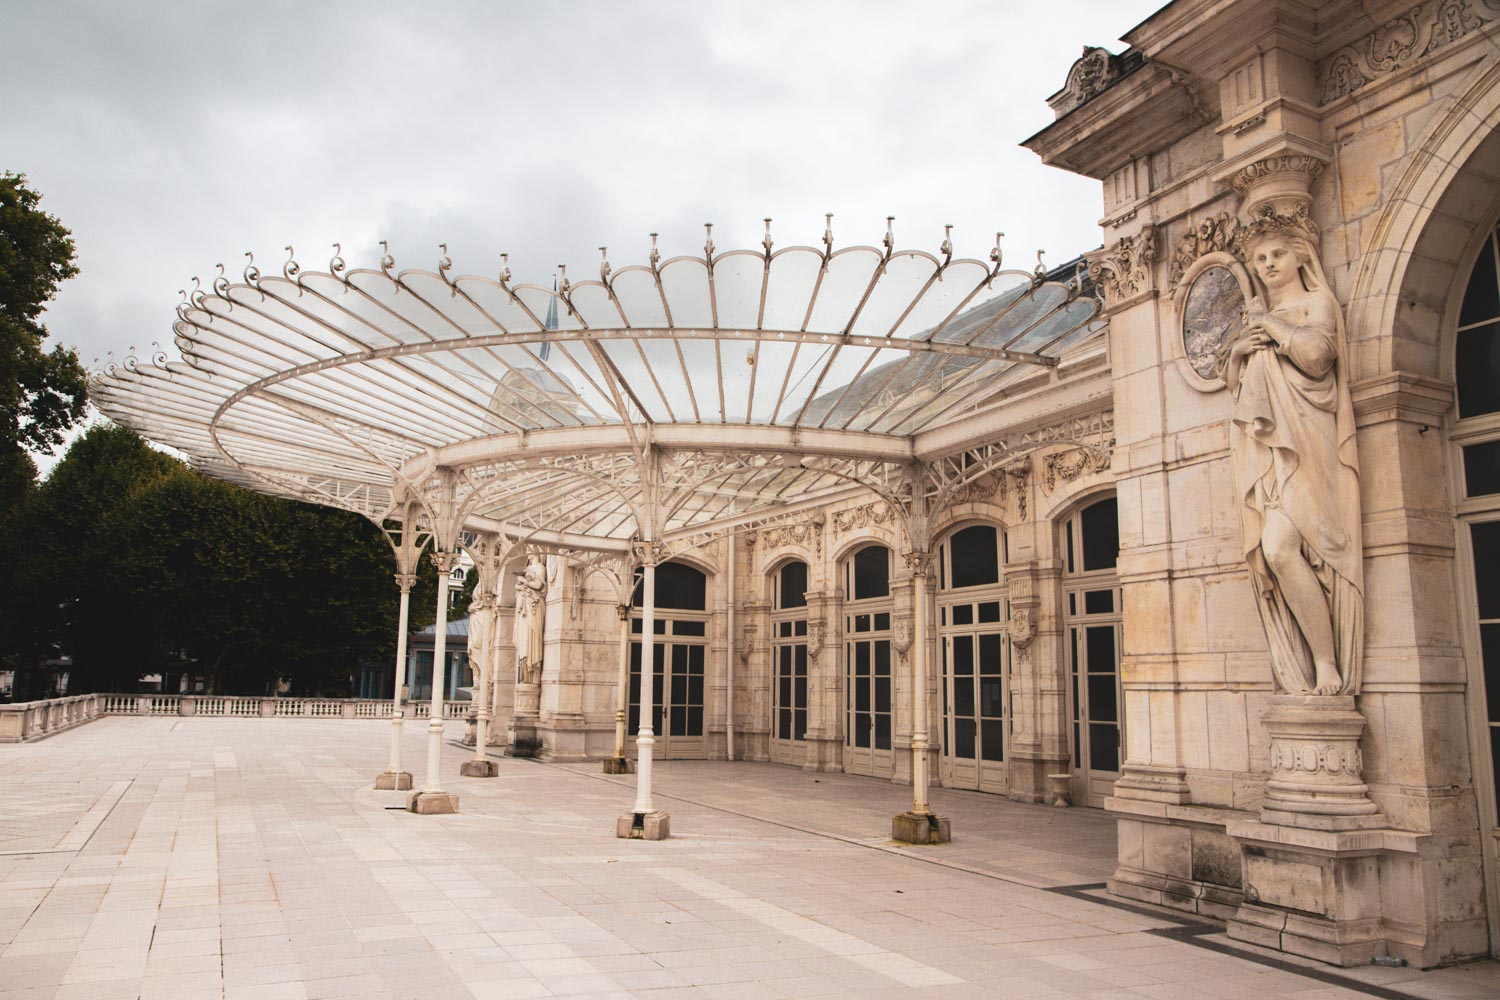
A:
616,765
920,828
479,769
1317,893
527,712
1059,790
1315,765
644,826
393,781
471,723
432,803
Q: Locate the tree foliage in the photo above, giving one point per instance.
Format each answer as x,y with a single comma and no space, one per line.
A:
131,563
42,393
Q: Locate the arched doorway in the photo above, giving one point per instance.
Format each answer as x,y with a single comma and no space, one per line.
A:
680,650
1091,633
975,658
867,662
789,663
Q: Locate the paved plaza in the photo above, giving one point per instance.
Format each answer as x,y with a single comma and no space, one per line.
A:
161,857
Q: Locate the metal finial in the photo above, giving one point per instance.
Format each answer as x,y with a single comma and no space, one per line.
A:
504,268
1041,269
252,273
995,254
708,240
386,260
604,267
445,263
336,263
564,284
828,230
655,256
890,236
947,247
291,267
767,241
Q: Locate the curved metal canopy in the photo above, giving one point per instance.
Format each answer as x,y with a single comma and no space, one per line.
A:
694,387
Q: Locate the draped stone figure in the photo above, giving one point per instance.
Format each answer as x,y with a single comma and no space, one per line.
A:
531,594
1296,470
481,630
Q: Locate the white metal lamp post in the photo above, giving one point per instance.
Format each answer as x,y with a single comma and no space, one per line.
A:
644,821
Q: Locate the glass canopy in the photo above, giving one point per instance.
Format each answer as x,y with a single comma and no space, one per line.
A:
734,382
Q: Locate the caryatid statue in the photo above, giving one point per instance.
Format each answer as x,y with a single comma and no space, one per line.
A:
1296,471
481,631
531,609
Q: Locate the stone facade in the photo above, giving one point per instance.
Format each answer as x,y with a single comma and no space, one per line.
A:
1378,122
1338,824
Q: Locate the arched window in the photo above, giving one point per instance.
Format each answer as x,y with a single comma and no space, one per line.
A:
1092,619
789,659
973,650
680,656
867,661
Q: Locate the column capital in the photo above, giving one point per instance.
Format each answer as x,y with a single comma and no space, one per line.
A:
444,561
406,581
918,562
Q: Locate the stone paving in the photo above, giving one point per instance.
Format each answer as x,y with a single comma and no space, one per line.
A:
185,858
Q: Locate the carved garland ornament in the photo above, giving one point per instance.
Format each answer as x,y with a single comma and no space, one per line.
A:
1069,465
1123,269
865,516
1209,236
1402,41
805,533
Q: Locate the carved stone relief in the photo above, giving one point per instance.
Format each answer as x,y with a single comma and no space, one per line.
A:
1066,466
1209,236
806,533
1213,315
867,515
1123,269
1401,41
1089,77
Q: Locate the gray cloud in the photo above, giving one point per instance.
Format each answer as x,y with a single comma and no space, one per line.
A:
171,137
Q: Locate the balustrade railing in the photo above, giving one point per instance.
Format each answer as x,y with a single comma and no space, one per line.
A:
31,720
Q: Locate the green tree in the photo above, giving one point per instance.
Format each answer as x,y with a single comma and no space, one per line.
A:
42,393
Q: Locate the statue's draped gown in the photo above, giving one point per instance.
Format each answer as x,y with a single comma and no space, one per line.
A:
1292,445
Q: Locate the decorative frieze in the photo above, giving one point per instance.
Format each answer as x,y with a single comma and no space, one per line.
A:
1402,41
1307,168
1123,269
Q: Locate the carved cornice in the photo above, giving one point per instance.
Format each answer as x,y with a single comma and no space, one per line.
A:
1123,269
1402,41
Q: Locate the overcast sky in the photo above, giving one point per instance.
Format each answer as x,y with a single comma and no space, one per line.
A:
171,137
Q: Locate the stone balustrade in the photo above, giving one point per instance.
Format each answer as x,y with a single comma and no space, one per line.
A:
33,720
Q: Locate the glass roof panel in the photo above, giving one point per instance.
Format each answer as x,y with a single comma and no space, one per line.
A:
636,289
794,275
738,280
498,305
844,285
685,282
591,301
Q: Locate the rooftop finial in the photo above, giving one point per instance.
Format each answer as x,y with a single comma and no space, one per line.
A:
947,247
564,284
890,235
767,241
655,256
995,254
445,263
252,273
828,231
1041,268
291,268
708,240
386,260
336,264
504,268
604,267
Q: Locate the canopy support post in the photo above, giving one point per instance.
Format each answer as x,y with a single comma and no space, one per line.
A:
432,798
394,778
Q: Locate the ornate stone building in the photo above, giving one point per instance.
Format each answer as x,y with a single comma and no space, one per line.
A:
1228,567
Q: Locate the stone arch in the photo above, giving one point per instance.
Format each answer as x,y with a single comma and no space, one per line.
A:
1405,282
